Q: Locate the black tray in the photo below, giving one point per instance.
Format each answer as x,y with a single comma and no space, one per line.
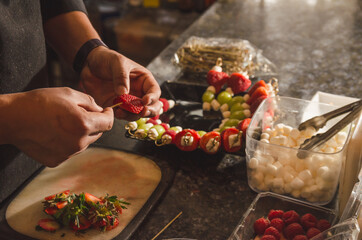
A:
110,140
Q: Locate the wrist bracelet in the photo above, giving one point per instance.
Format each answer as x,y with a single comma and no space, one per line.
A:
83,52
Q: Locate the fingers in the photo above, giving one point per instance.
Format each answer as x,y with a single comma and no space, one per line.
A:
88,103
120,73
100,121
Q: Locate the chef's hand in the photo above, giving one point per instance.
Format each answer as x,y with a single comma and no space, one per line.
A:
108,74
52,124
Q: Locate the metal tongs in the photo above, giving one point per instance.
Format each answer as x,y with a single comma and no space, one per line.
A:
320,121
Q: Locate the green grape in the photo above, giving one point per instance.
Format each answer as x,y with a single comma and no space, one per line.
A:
236,99
176,129
159,129
208,96
201,133
145,126
224,97
223,128
231,122
237,115
141,121
236,107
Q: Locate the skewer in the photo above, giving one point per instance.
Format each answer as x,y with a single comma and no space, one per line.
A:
163,229
117,104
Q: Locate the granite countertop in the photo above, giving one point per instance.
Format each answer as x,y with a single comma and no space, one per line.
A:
316,46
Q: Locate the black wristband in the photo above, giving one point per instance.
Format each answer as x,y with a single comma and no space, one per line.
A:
83,52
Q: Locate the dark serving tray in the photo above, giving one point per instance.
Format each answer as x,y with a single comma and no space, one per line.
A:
110,140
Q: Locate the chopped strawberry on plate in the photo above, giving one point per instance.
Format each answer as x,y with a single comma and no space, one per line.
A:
48,224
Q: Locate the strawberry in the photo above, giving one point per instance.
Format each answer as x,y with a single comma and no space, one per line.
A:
272,231
312,232
63,194
113,222
165,104
278,223
91,198
260,83
49,225
293,230
62,204
210,142
300,237
291,217
217,79
51,210
187,140
254,105
153,121
275,214
260,225
165,126
168,136
156,117
260,91
308,220
231,139
323,225
243,126
84,223
106,223
238,83
268,237
130,103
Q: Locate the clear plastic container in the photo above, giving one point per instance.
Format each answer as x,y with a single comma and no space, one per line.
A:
264,202
273,166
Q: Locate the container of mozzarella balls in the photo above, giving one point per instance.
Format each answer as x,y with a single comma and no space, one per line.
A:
272,145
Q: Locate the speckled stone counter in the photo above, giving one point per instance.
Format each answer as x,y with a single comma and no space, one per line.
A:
315,44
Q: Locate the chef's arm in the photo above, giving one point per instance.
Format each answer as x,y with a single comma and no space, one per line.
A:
67,32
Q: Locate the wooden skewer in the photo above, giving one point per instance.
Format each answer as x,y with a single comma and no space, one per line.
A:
163,229
117,104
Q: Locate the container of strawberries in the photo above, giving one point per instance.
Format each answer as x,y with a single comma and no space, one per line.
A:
273,216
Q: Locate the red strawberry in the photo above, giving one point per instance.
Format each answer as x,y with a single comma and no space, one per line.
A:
165,126
231,139
217,79
268,237
51,210
260,83
91,198
300,237
291,217
261,225
308,220
278,223
155,117
210,142
112,223
106,224
243,126
272,231
323,225
260,91
275,214
168,137
153,121
312,232
84,223
254,105
62,204
165,104
238,83
293,230
187,140
130,103
61,194
49,225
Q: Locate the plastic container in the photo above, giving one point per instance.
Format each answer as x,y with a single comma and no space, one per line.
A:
274,166
264,202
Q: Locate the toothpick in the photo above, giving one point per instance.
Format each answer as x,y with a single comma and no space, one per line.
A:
163,229
117,104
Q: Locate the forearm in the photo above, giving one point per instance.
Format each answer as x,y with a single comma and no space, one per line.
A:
7,108
66,33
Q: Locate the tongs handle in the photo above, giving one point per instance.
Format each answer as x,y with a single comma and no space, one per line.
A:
320,121
319,139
